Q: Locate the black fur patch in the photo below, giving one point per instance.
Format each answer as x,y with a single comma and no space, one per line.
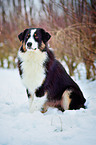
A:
57,81
19,67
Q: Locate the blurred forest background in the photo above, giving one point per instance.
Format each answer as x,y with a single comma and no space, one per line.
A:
72,24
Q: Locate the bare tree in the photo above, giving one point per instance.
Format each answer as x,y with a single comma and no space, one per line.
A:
72,24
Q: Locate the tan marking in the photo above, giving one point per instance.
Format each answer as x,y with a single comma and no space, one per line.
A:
24,49
65,102
53,104
42,46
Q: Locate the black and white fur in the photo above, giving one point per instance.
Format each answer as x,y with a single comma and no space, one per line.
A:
42,74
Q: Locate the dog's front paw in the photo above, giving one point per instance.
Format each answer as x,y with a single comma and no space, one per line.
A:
39,92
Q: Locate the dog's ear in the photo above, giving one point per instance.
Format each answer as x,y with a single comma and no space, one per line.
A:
45,36
22,35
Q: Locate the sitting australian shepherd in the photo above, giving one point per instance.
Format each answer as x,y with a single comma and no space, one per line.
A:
42,74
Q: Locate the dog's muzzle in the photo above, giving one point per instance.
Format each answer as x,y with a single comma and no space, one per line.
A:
29,46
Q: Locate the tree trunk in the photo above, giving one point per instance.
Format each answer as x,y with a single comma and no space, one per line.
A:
93,5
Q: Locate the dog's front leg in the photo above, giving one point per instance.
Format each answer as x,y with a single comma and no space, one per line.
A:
30,98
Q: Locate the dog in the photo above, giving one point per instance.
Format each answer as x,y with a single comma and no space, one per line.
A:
41,73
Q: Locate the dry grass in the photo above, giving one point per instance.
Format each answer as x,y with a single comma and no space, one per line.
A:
76,43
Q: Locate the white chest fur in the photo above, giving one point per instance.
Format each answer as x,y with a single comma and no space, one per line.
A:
33,69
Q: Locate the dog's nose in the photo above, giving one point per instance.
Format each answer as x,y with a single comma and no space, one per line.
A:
29,44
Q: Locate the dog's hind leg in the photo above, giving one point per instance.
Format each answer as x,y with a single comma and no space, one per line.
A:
66,100
72,99
53,104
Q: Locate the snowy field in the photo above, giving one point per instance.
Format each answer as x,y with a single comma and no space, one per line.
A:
20,127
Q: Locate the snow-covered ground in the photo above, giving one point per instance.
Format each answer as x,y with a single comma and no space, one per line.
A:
20,127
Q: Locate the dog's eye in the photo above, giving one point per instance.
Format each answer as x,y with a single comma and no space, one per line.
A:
36,37
28,36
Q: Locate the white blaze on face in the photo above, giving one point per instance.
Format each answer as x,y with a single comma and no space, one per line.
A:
32,40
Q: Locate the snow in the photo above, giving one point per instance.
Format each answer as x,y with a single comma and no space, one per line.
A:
20,127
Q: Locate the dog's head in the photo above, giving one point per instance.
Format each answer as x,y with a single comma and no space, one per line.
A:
33,38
